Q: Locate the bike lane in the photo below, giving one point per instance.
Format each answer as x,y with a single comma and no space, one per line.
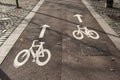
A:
71,59
52,37
88,58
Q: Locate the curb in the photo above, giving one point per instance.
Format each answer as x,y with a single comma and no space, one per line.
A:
110,32
8,44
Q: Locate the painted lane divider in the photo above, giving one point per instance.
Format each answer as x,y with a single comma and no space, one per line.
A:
79,17
43,30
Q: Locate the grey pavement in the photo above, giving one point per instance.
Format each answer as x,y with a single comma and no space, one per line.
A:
110,15
15,16
10,17
71,59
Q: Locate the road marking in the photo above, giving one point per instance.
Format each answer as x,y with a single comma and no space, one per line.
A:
78,34
8,44
39,53
79,17
110,32
43,30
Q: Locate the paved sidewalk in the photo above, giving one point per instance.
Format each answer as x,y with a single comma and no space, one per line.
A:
110,15
10,17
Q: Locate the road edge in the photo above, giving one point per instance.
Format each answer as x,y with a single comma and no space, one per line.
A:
8,44
110,32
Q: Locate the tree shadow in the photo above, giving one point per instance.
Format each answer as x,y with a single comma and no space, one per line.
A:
66,5
68,21
76,23
3,76
98,48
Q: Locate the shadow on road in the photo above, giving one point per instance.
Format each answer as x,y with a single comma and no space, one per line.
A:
62,20
3,76
76,41
68,21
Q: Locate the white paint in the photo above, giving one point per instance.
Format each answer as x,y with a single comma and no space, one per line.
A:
78,34
39,53
8,44
79,17
43,30
110,32
4,18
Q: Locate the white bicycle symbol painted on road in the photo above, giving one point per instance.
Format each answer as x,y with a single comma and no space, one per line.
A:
39,56
78,34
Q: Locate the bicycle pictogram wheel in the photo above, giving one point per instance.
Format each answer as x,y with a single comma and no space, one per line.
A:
24,55
78,35
93,34
41,61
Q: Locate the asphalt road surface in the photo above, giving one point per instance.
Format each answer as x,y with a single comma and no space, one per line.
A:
71,59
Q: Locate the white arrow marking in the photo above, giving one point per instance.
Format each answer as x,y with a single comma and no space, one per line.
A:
43,30
79,17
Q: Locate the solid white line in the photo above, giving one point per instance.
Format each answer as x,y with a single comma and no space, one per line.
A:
8,44
114,37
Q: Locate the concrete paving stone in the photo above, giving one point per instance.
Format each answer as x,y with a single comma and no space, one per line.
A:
1,58
7,10
2,39
1,42
104,12
7,33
